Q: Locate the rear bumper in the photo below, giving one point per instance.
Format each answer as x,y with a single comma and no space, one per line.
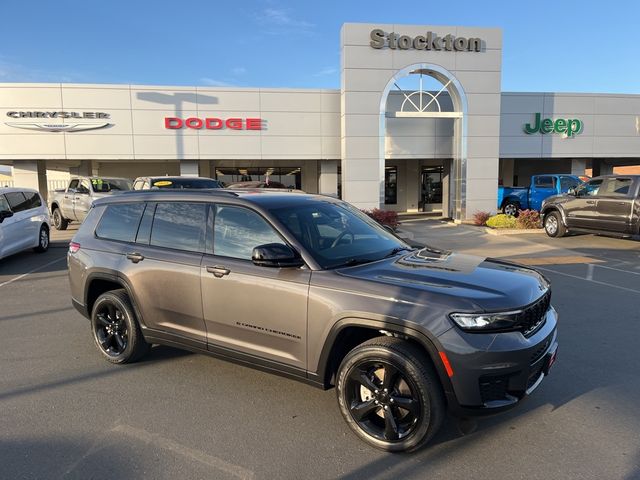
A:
495,372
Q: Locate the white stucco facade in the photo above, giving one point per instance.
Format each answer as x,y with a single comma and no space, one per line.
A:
360,141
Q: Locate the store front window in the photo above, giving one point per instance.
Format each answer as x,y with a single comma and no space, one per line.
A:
390,185
288,177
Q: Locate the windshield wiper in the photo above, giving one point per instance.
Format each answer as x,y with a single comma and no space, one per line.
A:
352,262
397,250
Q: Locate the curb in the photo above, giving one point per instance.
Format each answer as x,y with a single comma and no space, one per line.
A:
512,231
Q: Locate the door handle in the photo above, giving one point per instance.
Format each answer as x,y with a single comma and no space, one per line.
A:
622,203
218,271
135,257
591,202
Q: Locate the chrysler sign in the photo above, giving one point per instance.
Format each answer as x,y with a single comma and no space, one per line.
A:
428,41
59,123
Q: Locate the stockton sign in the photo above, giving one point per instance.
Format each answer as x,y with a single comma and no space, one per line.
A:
569,127
213,123
428,41
62,118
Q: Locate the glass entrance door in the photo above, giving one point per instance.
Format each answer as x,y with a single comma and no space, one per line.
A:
431,188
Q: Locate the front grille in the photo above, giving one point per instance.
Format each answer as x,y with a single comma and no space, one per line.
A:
493,387
532,317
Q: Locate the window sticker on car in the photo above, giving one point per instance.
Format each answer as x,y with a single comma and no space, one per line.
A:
162,183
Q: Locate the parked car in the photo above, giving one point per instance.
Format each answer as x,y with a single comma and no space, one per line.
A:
73,203
512,199
24,221
608,203
147,183
310,287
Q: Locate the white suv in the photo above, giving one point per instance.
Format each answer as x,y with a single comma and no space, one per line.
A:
24,221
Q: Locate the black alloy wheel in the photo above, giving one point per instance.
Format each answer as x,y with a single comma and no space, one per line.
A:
115,329
111,329
390,395
383,400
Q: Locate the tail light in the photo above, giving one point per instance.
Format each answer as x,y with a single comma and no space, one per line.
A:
74,247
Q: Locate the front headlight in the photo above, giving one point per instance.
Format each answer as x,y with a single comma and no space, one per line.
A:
486,321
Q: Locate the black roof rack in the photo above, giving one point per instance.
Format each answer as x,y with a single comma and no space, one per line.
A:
167,191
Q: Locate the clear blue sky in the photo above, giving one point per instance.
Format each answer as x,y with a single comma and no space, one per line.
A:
568,46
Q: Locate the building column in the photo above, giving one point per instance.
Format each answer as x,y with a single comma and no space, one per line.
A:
31,174
328,178
413,185
578,166
507,170
189,168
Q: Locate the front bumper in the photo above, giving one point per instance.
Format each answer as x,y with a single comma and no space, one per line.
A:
494,372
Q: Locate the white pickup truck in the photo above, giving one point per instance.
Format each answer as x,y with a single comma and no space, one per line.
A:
73,203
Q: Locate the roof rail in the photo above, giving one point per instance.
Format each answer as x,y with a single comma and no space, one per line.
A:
167,191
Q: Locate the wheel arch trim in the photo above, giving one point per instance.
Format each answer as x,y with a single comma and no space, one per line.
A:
426,341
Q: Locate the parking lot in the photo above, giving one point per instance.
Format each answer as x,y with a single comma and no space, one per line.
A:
66,413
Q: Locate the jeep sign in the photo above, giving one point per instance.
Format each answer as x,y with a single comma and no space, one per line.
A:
428,41
568,127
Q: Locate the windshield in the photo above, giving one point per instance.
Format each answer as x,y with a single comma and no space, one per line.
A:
338,234
185,183
102,185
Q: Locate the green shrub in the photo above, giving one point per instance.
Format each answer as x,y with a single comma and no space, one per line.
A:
528,219
502,221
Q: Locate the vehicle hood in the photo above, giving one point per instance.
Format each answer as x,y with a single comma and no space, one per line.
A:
464,281
558,199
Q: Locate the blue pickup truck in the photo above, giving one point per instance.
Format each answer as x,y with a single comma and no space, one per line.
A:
512,199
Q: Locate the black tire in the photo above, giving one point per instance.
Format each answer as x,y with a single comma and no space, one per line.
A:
553,225
115,329
412,382
43,240
59,222
511,208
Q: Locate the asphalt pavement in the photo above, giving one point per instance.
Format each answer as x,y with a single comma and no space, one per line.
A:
66,413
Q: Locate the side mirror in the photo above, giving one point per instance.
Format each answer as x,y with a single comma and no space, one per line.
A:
5,214
572,191
275,255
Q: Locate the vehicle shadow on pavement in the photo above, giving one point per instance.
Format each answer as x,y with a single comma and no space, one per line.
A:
26,262
156,355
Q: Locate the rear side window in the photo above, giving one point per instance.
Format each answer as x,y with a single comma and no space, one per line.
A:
17,201
179,225
33,199
544,182
120,221
616,186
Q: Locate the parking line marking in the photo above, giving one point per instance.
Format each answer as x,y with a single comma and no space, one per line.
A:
618,269
589,280
557,260
197,455
32,271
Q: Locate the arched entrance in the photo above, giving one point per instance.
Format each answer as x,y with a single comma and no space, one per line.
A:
428,91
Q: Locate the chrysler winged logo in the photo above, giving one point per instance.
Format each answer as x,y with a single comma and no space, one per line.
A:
61,125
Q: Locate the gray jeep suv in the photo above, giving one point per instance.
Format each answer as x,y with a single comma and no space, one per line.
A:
309,287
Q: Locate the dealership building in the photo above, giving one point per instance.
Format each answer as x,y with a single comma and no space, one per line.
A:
420,123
